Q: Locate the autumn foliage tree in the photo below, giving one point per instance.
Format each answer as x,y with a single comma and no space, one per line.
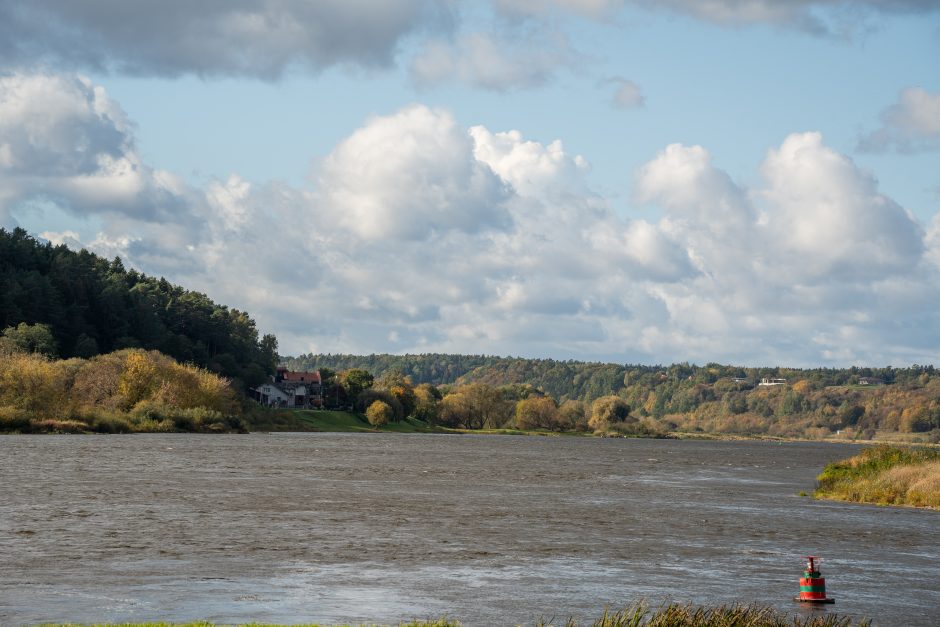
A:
608,411
537,412
379,413
127,390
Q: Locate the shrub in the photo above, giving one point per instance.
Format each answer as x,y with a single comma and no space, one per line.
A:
13,418
368,397
607,411
151,410
571,415
536,412
108,422
50,425
149,425
204,418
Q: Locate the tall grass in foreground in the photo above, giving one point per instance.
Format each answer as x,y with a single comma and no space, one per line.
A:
678,615
884,475
441,622
640,615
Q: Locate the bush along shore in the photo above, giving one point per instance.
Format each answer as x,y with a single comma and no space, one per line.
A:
884,475
127,391
636,615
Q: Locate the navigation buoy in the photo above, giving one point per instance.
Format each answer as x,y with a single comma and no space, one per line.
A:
812,584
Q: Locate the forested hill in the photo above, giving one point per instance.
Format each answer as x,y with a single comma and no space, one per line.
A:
437,369
590,380
92,306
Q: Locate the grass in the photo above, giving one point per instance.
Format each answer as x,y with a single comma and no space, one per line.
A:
347,422
636,615
884,475
678,615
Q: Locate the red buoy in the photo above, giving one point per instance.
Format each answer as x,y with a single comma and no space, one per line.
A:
812,584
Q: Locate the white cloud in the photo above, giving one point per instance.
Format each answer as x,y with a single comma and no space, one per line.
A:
419,235
409,175
911,124
493,62
65,140
51,124
682,180
828,218
531,168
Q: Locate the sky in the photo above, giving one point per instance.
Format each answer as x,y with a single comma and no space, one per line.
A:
751,182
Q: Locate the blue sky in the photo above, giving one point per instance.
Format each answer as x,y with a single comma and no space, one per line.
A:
743,181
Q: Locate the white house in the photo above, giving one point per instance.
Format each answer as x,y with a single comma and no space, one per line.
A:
270,394
291,389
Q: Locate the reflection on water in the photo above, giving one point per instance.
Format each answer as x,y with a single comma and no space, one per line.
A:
487,530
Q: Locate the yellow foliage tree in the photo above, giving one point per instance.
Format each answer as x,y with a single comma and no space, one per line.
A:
608,410
140,378
379,413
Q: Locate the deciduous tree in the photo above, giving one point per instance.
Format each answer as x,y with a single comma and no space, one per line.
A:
379,413
608,410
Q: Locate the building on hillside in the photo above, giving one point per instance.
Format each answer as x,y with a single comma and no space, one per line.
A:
766,381
291,389
870,381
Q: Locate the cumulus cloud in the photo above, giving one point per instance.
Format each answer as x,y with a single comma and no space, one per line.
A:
727,272
52,125
801,259
832,219
530,167
911,124
411,174
416,234
64,139
495,62
211,38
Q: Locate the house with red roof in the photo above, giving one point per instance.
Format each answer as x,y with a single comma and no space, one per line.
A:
301,390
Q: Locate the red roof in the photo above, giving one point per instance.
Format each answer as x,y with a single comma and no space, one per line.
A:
307,377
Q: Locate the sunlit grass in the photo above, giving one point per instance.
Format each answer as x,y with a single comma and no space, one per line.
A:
678,615
884,475
347,422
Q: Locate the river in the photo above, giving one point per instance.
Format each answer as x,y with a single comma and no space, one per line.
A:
489,530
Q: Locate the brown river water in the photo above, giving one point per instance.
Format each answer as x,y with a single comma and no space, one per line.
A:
488,530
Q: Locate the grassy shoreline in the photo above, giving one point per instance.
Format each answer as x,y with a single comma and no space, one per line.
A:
884,475
264,420
327,421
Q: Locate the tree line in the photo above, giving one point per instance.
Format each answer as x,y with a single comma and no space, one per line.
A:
643,400
586,381
77,304
394,397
